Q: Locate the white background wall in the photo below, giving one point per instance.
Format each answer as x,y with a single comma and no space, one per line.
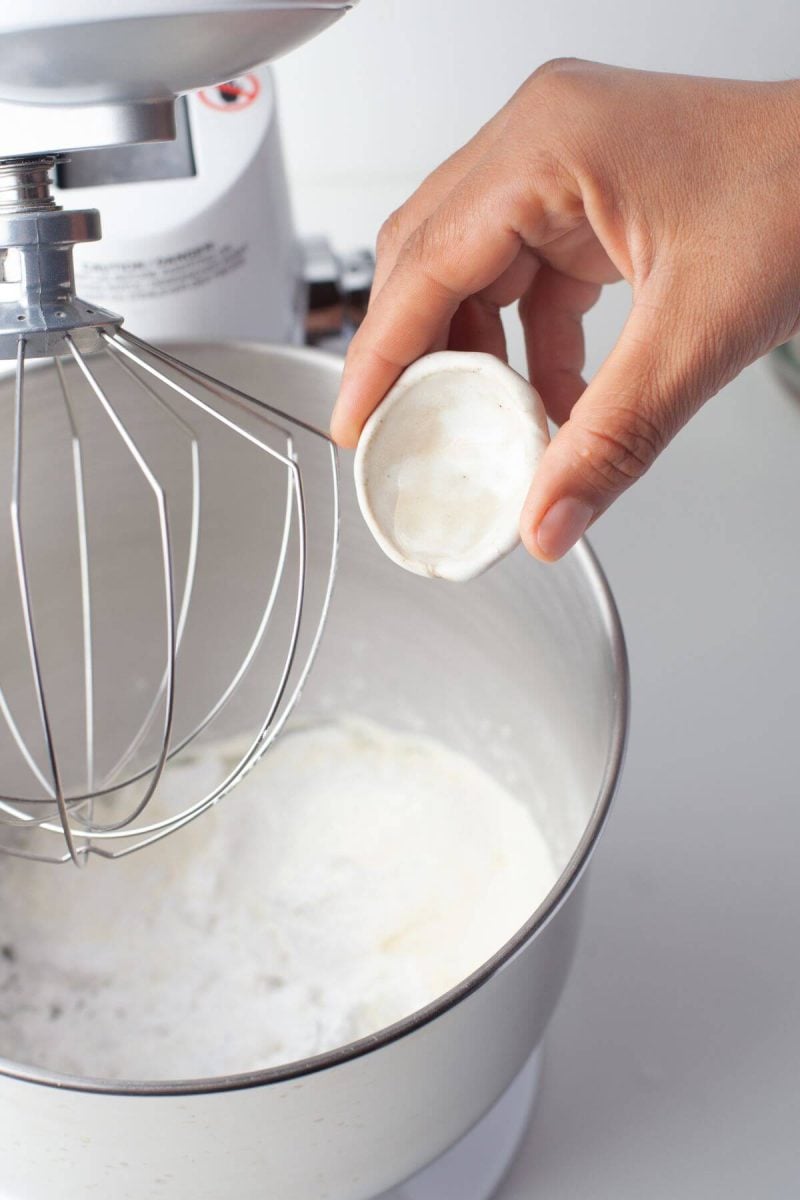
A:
397,84
370,107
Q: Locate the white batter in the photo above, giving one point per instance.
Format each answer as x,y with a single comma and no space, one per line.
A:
354,876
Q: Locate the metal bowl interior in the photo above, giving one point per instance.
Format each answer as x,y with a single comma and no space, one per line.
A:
523,670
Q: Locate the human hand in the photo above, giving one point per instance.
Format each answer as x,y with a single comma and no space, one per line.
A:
685,187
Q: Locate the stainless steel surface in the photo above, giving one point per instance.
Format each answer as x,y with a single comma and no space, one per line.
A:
527,675
104,166
62,128
472,1169
114,616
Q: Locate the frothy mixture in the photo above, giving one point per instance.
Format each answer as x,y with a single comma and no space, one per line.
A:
354,876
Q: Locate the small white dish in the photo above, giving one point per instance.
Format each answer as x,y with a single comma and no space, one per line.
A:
444,463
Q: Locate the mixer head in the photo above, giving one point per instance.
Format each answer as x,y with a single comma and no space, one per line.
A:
94,74
146,610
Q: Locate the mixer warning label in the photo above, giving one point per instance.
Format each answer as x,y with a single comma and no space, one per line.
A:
232,96
165,275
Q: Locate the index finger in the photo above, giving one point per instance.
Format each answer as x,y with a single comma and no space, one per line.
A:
462,247
430,194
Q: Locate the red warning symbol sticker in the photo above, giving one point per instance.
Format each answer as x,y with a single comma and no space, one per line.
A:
232,96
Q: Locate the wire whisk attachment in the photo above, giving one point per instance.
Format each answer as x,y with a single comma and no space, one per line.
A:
165,576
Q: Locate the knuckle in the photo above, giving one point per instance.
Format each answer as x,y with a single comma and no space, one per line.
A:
562,97
559,66
431,250
421,246
391,232
561,76
615,455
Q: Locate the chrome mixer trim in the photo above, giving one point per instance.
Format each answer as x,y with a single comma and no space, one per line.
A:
25,185
45,309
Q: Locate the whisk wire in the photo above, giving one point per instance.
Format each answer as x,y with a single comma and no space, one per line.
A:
27,606
85,586
30,761
262,740
191,562
266,735
169,587
121,343
80,502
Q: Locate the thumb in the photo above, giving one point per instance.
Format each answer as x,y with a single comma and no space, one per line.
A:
648,387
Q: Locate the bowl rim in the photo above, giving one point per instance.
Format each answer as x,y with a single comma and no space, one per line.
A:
556,897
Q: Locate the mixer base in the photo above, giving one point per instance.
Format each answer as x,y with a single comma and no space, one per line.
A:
474,1168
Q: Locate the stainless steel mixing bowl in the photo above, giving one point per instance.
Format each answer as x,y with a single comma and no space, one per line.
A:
524,670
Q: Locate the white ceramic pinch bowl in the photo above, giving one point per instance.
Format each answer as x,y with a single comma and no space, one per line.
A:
444,463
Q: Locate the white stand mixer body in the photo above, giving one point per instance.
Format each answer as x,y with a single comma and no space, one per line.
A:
206,255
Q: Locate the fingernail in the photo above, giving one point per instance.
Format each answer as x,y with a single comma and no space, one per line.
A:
338,424
562,525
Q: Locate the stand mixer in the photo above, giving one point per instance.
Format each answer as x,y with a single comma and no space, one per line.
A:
76,87
185,531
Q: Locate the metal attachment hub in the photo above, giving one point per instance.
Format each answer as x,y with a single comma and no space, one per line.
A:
37,278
